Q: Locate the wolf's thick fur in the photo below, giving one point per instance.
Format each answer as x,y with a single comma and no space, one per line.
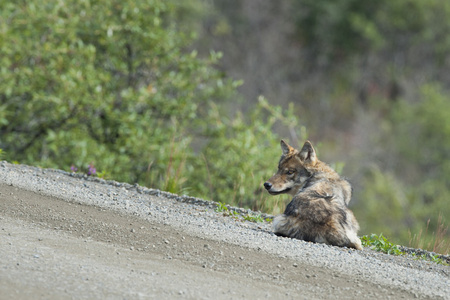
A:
318,211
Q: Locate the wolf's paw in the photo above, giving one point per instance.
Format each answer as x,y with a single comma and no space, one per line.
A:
356,244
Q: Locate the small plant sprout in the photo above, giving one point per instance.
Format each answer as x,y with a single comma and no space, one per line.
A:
254,218
103,174
221,207
235,214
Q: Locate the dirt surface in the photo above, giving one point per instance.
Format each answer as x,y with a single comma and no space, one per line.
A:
54,248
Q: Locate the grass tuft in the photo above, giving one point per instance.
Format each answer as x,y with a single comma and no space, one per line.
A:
435,242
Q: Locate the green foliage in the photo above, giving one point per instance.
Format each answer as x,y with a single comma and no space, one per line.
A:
337,26
410,192
103,82
426,125
234,214
423,145
103,174
384,206
380,243
108,83
436,241
221,207
254,218
430,257
242,153
342,28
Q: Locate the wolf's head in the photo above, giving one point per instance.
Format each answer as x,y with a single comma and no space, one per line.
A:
294,169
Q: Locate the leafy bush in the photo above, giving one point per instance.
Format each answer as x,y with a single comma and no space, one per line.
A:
102,82
241,154
111,84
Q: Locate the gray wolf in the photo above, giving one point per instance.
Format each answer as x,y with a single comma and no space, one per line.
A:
318,211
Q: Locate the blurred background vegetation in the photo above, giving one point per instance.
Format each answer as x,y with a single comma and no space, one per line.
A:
193,97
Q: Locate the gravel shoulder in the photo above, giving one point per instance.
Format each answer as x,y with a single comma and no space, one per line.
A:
66,236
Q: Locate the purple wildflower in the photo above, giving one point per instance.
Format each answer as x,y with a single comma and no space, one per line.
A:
92,170
73,168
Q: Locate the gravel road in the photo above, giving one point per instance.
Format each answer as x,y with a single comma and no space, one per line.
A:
68,236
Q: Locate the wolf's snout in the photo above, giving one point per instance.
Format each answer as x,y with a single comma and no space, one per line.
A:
267,185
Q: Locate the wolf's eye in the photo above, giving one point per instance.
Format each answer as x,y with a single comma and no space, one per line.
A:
290,172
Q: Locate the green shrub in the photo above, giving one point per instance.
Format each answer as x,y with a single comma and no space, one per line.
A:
110,84
241,154
105,82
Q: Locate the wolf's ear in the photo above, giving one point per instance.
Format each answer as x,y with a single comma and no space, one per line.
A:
308,154
285,147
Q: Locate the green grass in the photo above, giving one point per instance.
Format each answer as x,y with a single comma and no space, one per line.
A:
430,257
381,244
436,241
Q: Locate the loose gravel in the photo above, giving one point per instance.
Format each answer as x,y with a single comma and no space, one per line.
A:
198,218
